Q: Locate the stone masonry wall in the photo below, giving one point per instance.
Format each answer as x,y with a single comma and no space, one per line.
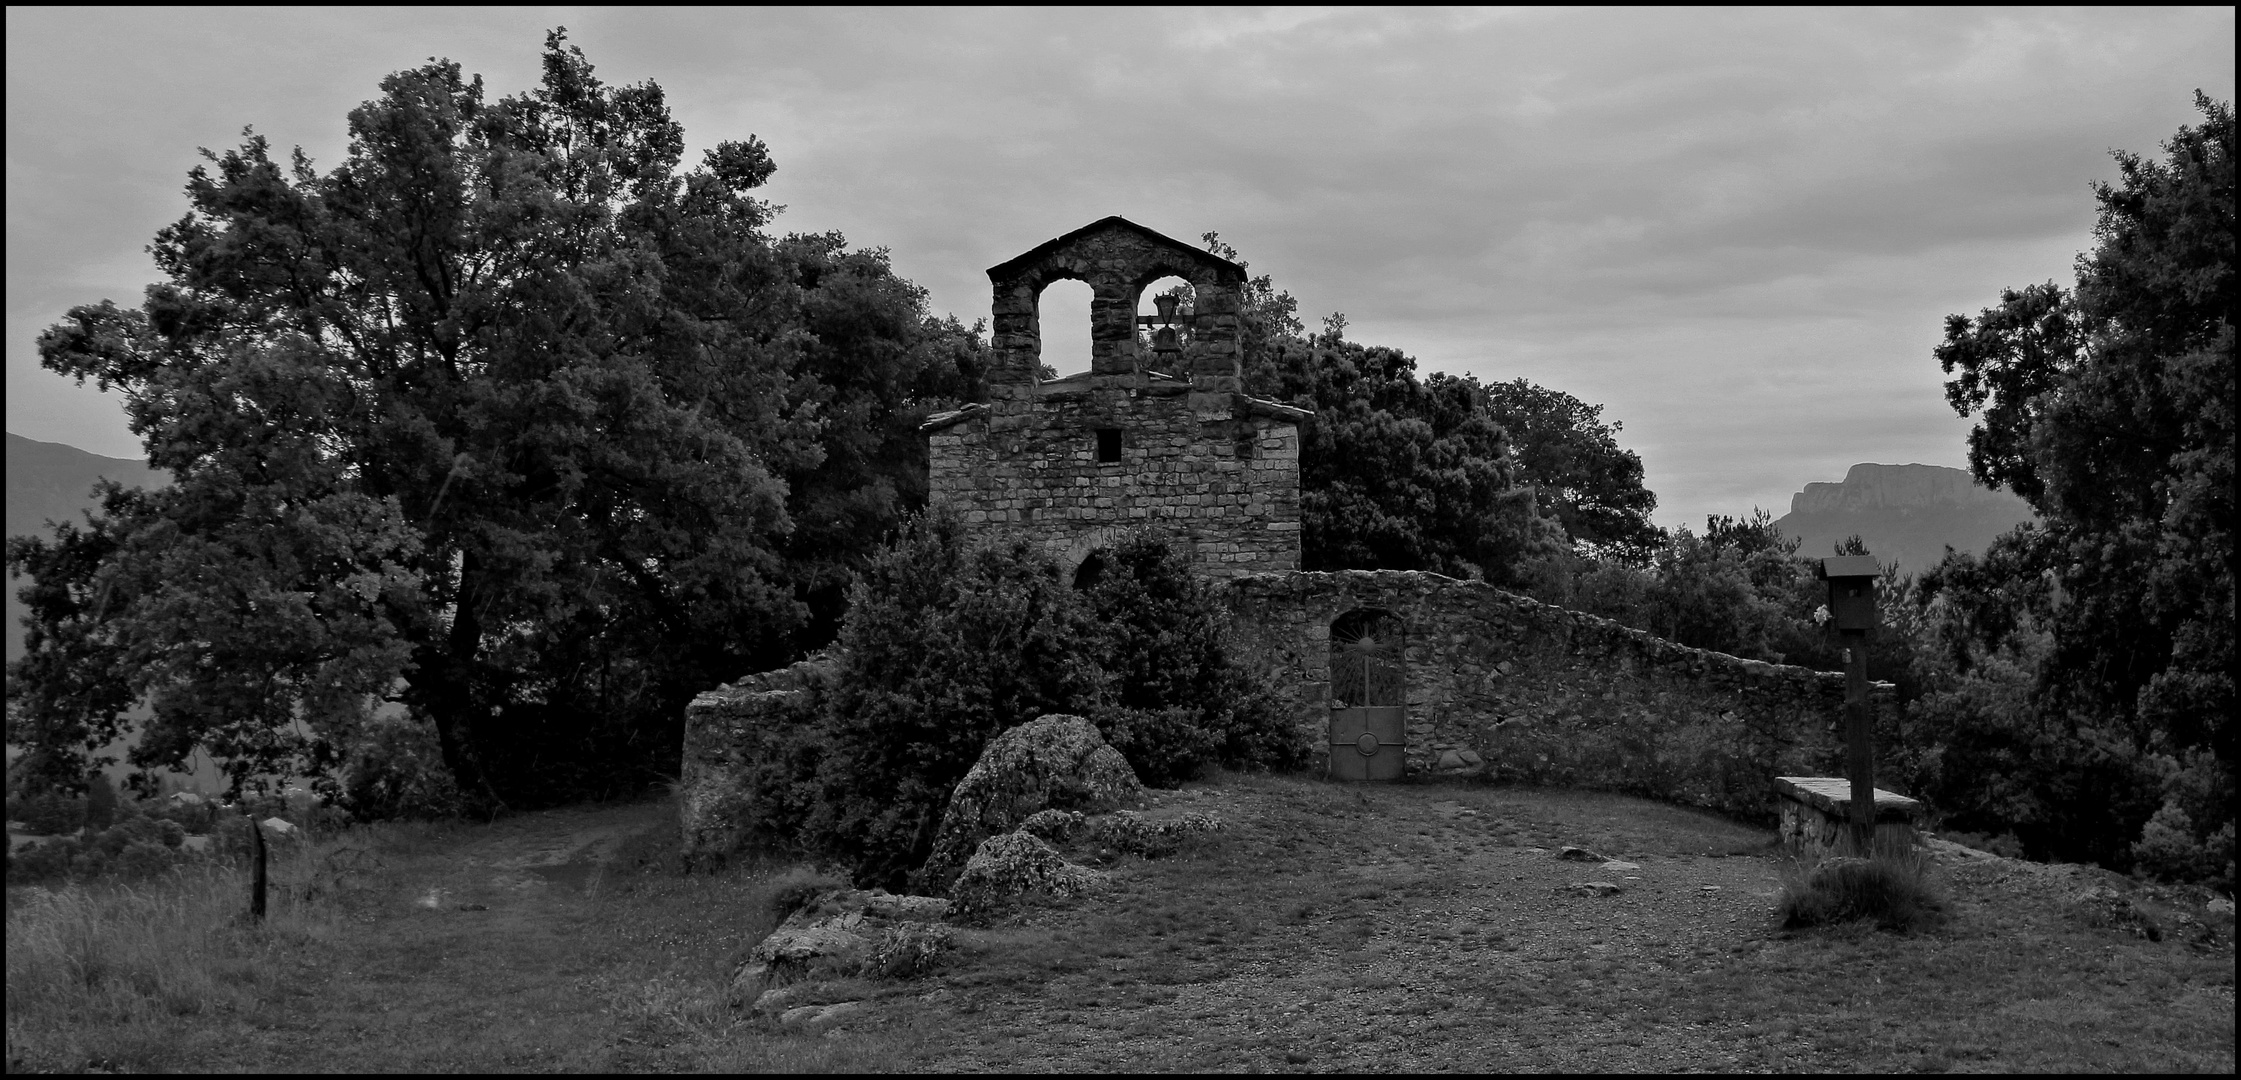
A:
729,732
1226,490
1505,686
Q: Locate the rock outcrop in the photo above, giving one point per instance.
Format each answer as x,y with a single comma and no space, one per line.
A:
1007,868
1053,762
841,933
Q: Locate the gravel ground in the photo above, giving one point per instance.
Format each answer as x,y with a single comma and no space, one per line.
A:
1421,928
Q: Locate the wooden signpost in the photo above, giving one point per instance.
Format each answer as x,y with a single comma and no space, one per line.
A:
256,875
1851,581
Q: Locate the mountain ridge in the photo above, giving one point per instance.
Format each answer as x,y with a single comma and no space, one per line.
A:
1908,514
49,481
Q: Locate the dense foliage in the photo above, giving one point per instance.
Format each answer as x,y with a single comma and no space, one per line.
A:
2110,408
1396,472
947,644
506,419
2068,692
1178,699
1579,473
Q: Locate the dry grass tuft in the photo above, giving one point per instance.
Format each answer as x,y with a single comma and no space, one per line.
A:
1890,887
798,888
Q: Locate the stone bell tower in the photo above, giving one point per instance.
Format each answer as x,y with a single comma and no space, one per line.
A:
1158,436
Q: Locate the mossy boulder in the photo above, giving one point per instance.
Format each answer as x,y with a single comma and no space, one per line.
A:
1015,866
1055,762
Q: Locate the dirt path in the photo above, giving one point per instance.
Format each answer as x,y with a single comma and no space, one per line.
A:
568,849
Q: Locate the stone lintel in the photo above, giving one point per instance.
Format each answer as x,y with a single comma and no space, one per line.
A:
1833,795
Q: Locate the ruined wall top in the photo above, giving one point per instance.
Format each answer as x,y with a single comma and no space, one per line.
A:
1116,258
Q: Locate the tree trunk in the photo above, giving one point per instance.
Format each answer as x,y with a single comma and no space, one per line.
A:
442,685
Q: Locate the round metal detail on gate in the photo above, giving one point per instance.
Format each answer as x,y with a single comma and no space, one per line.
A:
1367,744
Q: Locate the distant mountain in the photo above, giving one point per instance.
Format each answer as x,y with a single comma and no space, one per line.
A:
1905,513
50,481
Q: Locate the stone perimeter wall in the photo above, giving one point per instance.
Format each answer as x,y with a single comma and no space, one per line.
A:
1226,489
729,733
1507,687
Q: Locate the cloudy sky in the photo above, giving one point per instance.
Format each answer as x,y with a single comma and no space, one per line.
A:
1738,230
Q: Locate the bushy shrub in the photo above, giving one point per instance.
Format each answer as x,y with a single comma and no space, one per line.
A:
2169,848
1177,700
1996,761
89,862
395,770
43,861
194,818
49,813
946,645
141,859
102,802
1165,746
136,829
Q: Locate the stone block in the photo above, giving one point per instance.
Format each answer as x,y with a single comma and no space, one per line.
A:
1814,813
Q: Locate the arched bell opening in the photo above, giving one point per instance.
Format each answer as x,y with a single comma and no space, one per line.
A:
1062,327
1163,320
1369,696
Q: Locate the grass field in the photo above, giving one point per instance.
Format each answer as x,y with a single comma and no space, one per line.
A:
1415,927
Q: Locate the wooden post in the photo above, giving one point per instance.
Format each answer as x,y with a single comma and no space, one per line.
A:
1859,735
257,874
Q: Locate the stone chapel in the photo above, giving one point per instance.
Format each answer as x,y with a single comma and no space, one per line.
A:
1393,672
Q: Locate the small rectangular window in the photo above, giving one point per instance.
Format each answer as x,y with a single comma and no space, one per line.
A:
1108,445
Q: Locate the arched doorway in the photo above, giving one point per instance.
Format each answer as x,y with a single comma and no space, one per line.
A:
1091,571
1369,697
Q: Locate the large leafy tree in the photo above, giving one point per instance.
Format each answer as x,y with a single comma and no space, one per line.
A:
1402,473
1578,471
2110,407
506,419
1396,472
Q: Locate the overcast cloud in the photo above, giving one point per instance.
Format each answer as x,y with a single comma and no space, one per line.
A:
1738,230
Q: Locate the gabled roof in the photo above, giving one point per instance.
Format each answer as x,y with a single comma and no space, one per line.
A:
1012,266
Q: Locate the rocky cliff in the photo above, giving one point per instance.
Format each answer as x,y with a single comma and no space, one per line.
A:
1905,513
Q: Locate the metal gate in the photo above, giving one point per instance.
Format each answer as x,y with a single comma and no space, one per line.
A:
1369,697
